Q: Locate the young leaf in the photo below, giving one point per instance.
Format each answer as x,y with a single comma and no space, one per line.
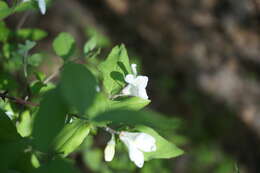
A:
49,120
90,48
31,34
64,45
55,166
130,117
4,10
164,149
24,126
71,136
35,59
4,32
114,69
78,86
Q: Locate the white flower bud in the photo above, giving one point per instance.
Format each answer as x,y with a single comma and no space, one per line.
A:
42,6
110,149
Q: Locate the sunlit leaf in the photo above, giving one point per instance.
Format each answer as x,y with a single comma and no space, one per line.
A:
114,69
31,34
64,45
71,136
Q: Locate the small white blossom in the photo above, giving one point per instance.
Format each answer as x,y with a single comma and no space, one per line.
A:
42,6
136,84
110,149
137,143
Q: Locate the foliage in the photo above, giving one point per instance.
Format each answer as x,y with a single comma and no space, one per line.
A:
42,122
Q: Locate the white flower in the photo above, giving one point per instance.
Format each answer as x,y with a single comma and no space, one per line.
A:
137,143
110,149
136,84
42,6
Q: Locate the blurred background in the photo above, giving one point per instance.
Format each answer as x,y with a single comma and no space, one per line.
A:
202,59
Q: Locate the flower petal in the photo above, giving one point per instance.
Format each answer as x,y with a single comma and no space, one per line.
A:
127,90
133,66
141,81
145,142
136,156
142,93
42,6
130,78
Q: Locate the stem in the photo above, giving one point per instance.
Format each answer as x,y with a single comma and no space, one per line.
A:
22,21
51,76
17,100
24,102
108,129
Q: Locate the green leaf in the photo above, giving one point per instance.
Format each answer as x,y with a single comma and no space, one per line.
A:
71,136
25,48
64,45
90,45
49,120
102,104
25,6
101,39
24,125
31,34
7,129
24,163
131,103
10,152
55,166
93,158
4,32
164,149
78,86
4,10
114,69
7,49
132,118
35,59
37,87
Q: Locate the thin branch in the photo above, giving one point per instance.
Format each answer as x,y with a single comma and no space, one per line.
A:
48,79
22,21
5,95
